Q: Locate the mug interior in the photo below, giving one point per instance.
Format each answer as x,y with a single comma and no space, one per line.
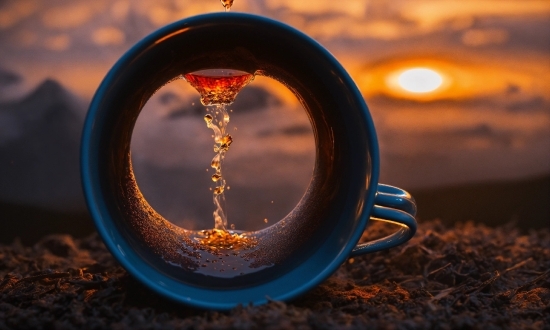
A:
295,253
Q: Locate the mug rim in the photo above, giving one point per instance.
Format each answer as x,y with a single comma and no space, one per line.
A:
123,252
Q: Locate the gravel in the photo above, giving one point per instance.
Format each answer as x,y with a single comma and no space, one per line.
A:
468,276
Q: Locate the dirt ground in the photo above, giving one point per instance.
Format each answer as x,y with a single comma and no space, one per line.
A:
465,277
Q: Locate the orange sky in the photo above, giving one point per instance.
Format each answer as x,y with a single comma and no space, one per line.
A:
472,41
489,120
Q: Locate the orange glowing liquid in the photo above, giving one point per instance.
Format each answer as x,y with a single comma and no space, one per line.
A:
219,88
215,87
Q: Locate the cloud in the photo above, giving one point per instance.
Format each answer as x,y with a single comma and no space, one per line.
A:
451,116
120,9
14,12
162,12
68,16
536,103
11,88
433,13
342,27
8,78
26,38
108,35
353,8
58,42
481,37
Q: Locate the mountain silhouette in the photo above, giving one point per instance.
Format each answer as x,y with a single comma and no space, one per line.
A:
39,149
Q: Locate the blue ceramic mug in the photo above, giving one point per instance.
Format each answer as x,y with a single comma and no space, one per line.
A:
294,254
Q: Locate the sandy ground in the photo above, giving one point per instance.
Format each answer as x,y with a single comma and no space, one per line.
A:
467,276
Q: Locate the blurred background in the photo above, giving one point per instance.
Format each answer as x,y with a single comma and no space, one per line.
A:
458,91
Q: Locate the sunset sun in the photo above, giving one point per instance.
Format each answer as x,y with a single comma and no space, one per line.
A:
420,80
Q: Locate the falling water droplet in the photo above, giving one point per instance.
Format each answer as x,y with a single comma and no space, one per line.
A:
227,4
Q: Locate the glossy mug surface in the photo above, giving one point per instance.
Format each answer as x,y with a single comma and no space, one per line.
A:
294,254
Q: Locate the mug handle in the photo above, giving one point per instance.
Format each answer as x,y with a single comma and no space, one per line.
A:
392,205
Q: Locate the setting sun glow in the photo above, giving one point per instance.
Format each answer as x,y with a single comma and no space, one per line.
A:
420,80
